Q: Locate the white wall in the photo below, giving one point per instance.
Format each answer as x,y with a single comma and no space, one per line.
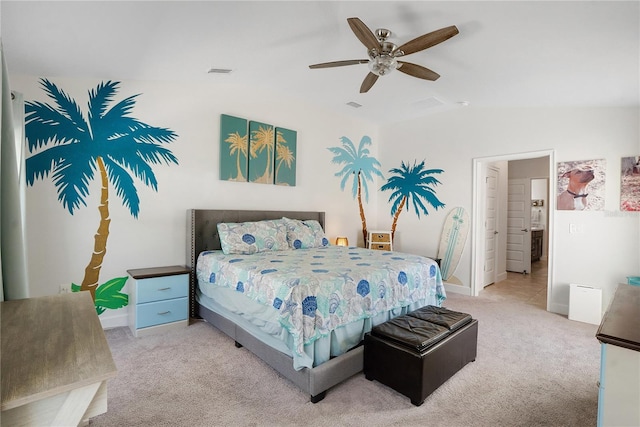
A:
609,248
60,245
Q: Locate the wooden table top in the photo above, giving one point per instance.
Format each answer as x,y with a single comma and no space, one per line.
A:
619,325
148,273
51,345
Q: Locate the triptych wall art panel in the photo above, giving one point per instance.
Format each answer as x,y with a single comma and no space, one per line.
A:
261,143
257,152
286,146
233,148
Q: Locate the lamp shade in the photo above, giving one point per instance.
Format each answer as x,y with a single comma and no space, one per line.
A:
342,241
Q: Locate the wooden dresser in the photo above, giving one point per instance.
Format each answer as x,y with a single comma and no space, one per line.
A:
55,361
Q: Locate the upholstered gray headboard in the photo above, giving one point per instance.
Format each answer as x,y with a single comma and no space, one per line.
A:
202,233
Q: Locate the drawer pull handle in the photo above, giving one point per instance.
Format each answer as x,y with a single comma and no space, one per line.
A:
164,312
165,289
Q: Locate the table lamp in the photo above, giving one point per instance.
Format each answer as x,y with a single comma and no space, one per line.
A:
342,241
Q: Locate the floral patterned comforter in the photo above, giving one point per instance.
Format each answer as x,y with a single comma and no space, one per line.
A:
320,289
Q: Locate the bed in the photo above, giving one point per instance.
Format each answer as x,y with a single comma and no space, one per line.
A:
316,348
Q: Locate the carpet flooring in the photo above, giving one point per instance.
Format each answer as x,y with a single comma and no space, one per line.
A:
533,368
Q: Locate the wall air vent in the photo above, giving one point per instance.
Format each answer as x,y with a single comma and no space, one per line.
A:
218,71
354,104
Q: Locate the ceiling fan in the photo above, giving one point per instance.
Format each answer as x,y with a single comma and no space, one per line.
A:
383,54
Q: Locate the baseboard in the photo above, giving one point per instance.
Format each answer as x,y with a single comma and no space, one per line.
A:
116,321
500,277
559,308
457,289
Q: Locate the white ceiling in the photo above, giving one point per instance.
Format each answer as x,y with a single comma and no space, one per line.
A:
508,54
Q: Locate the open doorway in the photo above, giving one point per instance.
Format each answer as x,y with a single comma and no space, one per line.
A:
483,173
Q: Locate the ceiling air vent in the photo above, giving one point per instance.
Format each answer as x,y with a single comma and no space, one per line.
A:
218,71
428,103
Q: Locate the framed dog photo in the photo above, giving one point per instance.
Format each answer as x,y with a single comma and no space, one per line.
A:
630,184
581,185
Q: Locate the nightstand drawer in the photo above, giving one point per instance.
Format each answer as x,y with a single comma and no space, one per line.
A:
162,288
157,313
380,237
380,246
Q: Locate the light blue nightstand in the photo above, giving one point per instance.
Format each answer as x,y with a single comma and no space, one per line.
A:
158,300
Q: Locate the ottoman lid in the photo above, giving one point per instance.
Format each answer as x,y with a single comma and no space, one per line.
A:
410,332
449,319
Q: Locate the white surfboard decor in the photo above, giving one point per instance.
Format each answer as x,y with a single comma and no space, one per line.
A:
454,236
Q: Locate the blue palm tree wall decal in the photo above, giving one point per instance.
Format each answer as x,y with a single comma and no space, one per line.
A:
358,166
110,146
412,184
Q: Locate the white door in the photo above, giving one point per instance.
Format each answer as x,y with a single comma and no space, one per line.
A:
490,224
519,226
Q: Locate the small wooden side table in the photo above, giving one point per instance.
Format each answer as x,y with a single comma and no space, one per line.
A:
55,361
380,240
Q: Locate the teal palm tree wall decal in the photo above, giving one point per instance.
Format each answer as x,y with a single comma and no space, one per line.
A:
412,184
360,167
108,145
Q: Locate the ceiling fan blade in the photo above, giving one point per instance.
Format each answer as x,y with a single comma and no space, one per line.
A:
417,71
363,33
427,40
339,63
368,82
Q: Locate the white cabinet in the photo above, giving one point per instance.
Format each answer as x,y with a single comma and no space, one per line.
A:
619,394
619,335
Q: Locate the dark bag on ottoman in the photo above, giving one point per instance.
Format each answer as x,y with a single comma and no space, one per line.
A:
416,353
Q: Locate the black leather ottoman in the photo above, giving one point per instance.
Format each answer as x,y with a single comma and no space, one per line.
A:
416,353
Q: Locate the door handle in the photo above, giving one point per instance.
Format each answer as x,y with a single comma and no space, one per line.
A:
525,230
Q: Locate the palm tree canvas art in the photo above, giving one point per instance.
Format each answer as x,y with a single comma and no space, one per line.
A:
261,145
286,142
412,185
234,148
107,145
359,167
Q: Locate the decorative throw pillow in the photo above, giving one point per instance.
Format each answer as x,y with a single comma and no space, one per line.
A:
305,234
251,237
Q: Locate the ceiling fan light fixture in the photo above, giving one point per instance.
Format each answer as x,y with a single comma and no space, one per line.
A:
383,53
382,65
